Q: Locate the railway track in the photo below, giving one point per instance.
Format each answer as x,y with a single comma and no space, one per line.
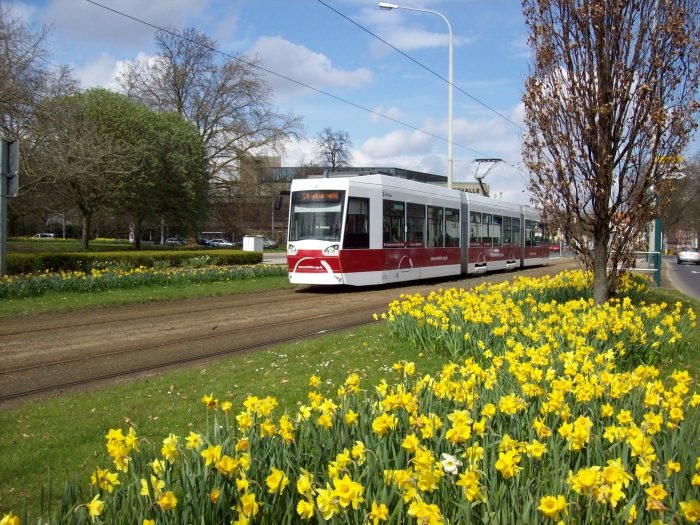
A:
56,353
84,381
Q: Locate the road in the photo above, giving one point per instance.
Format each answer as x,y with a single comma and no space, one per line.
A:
684,277
53,353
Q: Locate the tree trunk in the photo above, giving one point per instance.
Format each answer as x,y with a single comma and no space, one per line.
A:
137,235
600,269
85,238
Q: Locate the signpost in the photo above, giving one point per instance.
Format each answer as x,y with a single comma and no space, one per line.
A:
9,187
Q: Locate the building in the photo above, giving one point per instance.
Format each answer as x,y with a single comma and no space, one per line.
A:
471,187
258,201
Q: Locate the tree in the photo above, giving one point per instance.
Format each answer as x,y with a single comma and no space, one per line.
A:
25,78
82,160
611,96
334,148
164,172
22,71
228,102
681,216
106,152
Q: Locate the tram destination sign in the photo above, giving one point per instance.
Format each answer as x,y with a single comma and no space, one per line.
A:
318,196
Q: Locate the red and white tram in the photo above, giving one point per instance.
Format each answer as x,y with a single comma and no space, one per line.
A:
375,229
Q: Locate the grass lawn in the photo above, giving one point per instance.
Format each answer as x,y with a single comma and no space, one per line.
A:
63,302
65,434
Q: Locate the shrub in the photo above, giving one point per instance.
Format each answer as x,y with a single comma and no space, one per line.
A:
21,263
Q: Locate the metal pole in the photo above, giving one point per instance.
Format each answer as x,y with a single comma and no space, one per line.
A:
3,218
450,159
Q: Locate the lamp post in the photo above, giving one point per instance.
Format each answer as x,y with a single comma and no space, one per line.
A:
450,160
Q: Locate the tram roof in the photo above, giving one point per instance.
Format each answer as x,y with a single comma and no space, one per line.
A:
376,178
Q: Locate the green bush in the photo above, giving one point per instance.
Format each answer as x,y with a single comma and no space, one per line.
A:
23,263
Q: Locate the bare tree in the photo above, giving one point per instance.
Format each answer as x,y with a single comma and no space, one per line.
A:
22,70
334,148
80,159
26,77
228,101
612,92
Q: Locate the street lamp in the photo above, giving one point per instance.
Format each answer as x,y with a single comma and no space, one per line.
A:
450,160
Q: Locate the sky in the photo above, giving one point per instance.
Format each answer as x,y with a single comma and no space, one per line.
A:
394,107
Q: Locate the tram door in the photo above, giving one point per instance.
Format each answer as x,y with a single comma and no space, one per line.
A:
464,233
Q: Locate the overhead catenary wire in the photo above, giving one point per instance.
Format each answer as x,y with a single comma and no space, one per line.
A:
483,104
417,62
282,76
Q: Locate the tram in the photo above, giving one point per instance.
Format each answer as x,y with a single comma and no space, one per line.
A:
377,229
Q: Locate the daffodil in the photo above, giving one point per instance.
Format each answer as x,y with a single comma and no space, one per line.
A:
450,464
305,509
552,506
276,481
167,501
691,510
10,519
378,513
95,507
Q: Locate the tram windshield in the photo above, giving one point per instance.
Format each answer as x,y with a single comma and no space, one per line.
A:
316,214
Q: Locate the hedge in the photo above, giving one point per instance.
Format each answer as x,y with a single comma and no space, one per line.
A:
19,263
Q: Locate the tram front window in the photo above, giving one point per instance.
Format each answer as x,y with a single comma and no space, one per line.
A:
316,214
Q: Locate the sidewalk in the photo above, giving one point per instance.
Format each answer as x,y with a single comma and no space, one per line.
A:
274,258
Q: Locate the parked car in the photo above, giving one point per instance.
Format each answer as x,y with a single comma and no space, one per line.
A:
688,255
175,241
204,242
43,236
269,243
220,243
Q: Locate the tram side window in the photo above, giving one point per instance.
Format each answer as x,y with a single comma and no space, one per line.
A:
540,237
435,226
415,222
474,227
515,231
451,227
534,233
496,230
394,222
357,224
507,239
485,227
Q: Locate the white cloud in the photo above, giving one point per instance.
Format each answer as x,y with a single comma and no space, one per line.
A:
397,143
100,72
86,22
105,70
300,63
299,152
406,31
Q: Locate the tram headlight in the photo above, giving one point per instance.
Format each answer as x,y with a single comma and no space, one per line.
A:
331,250
291,249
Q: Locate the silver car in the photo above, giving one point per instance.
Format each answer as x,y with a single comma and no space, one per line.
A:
688,255
220,243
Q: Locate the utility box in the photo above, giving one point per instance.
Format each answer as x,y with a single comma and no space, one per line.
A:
252,243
